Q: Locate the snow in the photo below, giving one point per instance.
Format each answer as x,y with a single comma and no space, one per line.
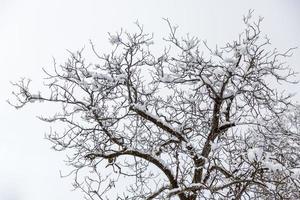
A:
193,99
273,166
255,154
296,173
215,145
229,93
97,75
207,194
271,186
256,84
143,109
196,185
174,190
242,49
192,185
218,72
230,60
231,69
121,78
167,78
206,80
89,80
139,107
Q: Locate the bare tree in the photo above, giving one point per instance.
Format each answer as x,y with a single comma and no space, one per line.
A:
194,122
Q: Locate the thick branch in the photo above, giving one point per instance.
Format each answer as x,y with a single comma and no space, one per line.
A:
159,123
149,158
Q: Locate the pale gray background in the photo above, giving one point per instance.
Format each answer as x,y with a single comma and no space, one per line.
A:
33,31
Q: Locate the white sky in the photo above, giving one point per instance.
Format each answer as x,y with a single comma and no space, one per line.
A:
33,31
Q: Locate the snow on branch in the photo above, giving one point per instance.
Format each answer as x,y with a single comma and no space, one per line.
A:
215,123
141,110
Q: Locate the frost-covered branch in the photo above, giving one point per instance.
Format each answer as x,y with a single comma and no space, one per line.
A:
191,122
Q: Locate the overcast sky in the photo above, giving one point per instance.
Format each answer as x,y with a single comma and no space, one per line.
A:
34,31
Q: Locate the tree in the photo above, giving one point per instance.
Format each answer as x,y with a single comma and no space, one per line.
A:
191,123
